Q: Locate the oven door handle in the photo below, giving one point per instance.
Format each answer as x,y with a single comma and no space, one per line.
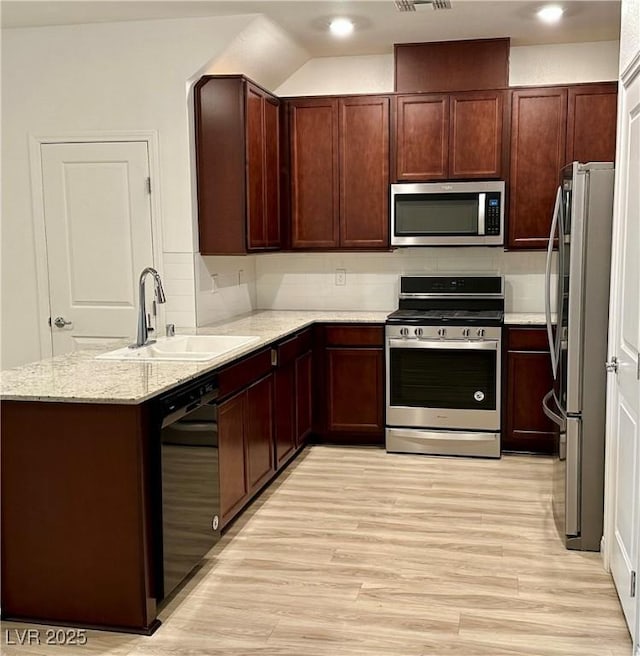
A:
489,345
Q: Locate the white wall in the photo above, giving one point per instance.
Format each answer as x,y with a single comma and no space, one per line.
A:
117,77
91,79
548,64
264,52
629,32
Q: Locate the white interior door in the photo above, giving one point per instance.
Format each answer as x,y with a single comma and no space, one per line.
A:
624,387
97,213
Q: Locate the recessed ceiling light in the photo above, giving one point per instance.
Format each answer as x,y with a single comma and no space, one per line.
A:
551,13
341,27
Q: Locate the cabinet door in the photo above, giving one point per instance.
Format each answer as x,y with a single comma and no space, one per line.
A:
303,408
231,451
284,410
314,173
256,236
422,137
475,135
272,172
537,154
529,379
364,172
591,123
258,423
354,390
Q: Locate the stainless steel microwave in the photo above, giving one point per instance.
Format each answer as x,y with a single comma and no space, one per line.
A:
448,214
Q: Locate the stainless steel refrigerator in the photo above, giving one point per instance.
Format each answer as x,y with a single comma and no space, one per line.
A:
577,331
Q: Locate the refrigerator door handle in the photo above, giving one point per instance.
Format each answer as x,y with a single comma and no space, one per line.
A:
547,283
556,418
572,481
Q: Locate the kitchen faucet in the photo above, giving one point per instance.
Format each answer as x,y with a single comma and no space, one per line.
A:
143,328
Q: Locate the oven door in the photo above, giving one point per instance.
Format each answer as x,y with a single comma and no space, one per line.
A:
452,385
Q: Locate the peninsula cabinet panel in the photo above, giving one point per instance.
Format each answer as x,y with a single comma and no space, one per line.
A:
591,123
231,452
538,132
77,538
364,172
476,135
314,173
237,162
528,379
422,137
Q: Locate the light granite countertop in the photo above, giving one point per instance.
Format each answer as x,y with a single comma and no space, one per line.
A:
79,378
524,319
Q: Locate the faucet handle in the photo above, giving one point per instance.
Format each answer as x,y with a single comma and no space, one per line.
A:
171,329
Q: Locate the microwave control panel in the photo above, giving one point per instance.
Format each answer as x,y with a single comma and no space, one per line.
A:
492,214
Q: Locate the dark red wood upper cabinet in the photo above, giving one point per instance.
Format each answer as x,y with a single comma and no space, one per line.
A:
364,172
449,136
237,161
272,172
422,137
339,172
256,237
538,132
591,123
314,172
476,134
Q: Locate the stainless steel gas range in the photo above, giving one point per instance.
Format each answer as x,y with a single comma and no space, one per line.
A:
443,366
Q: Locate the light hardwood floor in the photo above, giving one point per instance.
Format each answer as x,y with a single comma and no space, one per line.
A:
353,551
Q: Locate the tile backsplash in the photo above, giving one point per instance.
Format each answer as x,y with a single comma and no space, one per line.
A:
312,280
227,286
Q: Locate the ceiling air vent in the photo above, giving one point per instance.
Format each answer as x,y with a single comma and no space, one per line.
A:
410,5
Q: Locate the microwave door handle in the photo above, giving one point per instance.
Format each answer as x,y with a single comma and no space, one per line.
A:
482,198
547,284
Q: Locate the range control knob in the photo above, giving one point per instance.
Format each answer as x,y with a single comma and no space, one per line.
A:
442,332
466,332
404,332
480,332
418,332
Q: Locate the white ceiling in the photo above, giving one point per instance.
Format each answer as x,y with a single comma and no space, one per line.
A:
378,23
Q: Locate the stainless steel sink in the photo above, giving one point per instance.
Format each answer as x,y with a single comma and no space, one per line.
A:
185,348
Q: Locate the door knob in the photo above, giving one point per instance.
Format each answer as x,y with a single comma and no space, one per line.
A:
59,322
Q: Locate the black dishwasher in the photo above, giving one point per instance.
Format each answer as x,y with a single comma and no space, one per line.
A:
188,481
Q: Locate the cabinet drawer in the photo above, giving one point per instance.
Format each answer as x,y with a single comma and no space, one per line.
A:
527,339
245,372
354,335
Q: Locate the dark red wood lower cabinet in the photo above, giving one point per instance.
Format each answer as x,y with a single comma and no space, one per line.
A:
303,406
528,379
259,432
231,452
285,393
354,379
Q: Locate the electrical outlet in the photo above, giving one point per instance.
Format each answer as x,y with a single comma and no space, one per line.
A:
341,277
240,276
214,283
